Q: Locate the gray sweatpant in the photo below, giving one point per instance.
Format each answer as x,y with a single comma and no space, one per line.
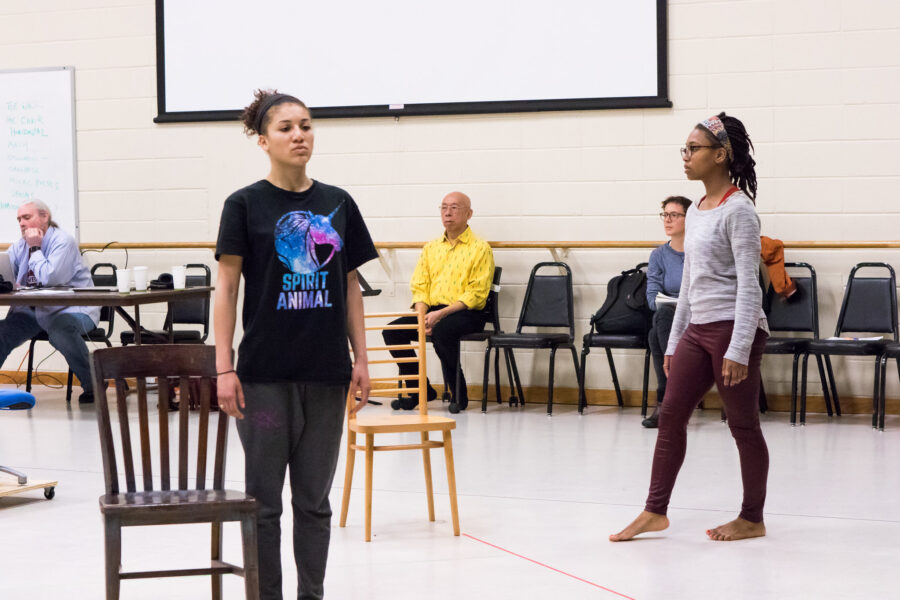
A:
298,426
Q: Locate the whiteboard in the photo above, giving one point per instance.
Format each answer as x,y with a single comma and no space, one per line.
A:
363,58
37,146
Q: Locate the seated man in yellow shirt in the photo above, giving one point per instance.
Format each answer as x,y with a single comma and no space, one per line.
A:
452,280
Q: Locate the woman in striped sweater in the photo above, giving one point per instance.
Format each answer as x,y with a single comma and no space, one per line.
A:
719,331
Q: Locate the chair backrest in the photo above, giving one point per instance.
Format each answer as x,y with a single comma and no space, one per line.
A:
107,313
549,300
870,303
800,313
491,308
194,311
379,354
194,367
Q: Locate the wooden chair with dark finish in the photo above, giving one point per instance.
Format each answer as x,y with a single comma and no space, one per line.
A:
189,501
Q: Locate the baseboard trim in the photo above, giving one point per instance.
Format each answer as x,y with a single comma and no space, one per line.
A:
538,395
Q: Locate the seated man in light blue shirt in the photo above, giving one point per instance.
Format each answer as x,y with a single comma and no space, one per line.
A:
48,256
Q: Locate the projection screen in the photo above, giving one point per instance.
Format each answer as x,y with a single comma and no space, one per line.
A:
358,58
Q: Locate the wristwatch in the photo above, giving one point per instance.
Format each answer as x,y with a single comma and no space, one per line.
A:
33,249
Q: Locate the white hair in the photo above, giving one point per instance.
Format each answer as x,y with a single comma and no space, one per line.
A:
42,209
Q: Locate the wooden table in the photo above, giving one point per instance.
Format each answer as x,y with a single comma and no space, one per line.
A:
107,298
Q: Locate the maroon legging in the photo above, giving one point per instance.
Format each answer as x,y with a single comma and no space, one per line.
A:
695,366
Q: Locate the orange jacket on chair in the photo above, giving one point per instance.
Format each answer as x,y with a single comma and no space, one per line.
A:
772,254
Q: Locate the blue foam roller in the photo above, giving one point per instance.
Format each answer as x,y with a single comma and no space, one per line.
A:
15,400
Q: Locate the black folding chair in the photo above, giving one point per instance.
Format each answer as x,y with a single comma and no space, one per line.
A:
549,302
193,312
607,341
100,334
797,314
491,313
869,306
891,350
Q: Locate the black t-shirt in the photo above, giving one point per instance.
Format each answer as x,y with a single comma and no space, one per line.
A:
297,248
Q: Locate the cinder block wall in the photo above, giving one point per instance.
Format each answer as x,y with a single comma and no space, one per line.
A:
815,81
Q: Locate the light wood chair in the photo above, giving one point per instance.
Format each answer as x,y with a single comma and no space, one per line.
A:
421,423
189,501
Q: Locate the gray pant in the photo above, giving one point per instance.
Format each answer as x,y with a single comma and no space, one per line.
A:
298,426
659,341
65,332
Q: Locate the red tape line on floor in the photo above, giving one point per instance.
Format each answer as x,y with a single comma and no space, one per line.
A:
548,567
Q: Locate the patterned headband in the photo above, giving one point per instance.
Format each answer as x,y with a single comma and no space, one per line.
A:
715,126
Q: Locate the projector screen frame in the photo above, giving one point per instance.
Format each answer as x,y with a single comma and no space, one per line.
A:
661,100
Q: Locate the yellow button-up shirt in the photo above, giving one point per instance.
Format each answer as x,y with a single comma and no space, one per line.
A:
447,272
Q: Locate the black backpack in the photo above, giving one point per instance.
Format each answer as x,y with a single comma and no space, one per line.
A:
625,309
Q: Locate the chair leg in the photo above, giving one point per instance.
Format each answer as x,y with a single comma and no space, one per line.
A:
484,377
451,481
794,389
824,381
881,396
577,368
69,387
880,368
214,555
458,374
429,490
550,383
833,383
497,376
803,389
370,456
615,377
348,476
30,365
113,556
582,395
515,370
251,557
513,398
883,408
644,392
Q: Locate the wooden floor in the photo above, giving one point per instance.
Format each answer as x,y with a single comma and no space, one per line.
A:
537,498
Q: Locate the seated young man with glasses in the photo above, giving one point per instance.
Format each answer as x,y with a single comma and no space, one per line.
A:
452,280
664,276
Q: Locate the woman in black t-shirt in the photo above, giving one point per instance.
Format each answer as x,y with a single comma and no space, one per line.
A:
297,243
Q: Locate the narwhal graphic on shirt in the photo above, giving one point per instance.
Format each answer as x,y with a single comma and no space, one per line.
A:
305,243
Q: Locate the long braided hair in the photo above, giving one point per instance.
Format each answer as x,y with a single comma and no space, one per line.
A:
742,167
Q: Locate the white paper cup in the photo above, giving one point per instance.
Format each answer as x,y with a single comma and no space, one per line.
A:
140,279
178,277
123,280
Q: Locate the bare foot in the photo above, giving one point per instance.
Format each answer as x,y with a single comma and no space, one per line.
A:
739,529
646,521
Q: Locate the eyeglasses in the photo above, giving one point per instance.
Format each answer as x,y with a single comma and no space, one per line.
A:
449,208
665,216
689,151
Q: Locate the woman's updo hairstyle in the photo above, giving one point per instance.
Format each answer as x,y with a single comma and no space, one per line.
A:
255,116
742,167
